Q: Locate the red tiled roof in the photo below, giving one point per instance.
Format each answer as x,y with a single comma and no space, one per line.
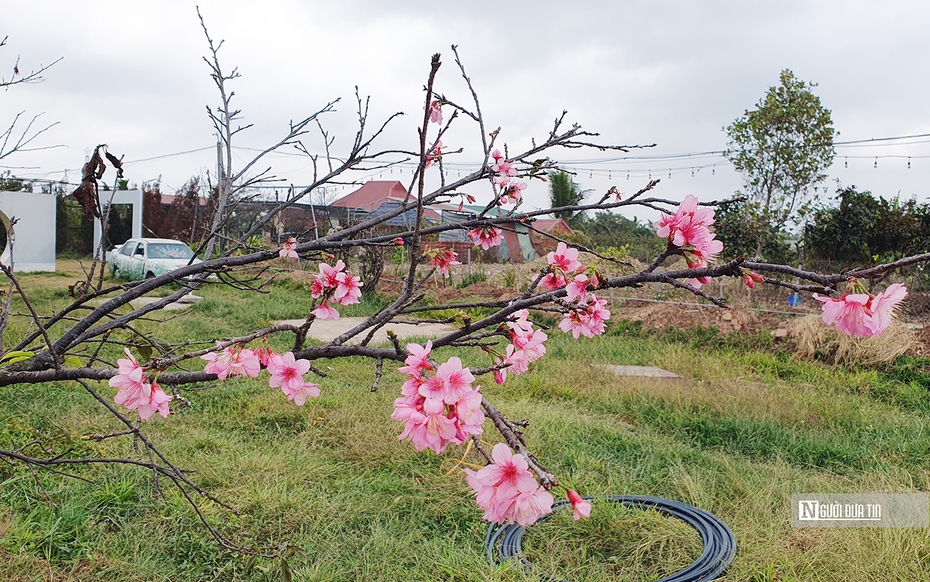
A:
373,194
553,224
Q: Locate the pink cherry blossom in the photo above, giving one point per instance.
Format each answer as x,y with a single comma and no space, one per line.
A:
750,278
317,288
246,363
578,289
501,166
883,306
531,505
507,491
325,311
564,258
581,507
232,361
288,251
427,425
348,289
521,324
552,281
299,395
129,377
329,275
849,313
860,313
219,363
442,259
417,359
468,414
135,391
265,354
287,373
516,360
437,410
587,320
689,229
531,344
450,382
512,191
500,375
435,112
152,399
487,237
434,154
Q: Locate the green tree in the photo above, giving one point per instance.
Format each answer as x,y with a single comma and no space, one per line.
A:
607,229
563,191
863,229
782,148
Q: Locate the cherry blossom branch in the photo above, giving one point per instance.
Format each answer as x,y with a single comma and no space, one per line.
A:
513,436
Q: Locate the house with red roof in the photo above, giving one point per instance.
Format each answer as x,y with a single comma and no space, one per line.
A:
375,194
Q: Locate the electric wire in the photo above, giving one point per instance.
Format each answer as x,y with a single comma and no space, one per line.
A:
505,542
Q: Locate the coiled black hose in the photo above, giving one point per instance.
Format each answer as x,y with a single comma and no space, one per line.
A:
504,542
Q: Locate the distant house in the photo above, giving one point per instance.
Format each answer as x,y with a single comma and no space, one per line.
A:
377,197
554,226
521,244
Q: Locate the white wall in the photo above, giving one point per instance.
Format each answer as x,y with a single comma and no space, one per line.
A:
34,232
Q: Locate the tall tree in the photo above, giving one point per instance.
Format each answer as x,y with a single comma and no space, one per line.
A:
563,191
782,148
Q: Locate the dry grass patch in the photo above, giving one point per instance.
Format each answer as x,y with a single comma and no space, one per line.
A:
815,341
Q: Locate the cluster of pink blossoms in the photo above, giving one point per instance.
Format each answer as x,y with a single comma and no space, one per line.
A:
287,374
563,263
441,409
526,346
486,236
587,319
507,491
588,313
442,259
511,188
857,312
135,390
689,229
334,282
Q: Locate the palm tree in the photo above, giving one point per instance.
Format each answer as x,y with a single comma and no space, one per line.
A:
563,191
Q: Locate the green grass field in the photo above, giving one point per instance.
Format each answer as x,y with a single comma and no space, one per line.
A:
332,487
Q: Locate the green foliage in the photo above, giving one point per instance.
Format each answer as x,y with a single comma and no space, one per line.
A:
782,149
564,191
74,232
9,183
613,230
863,230
733,223
743,428
476,276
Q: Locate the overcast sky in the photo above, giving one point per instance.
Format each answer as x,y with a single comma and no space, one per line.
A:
670,73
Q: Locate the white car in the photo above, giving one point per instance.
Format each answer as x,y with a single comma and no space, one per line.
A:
144,258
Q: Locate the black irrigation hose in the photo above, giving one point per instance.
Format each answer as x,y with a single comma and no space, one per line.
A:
504,542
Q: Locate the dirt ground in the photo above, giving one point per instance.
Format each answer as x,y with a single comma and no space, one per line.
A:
765,308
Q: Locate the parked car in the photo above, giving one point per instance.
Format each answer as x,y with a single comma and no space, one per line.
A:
144,258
